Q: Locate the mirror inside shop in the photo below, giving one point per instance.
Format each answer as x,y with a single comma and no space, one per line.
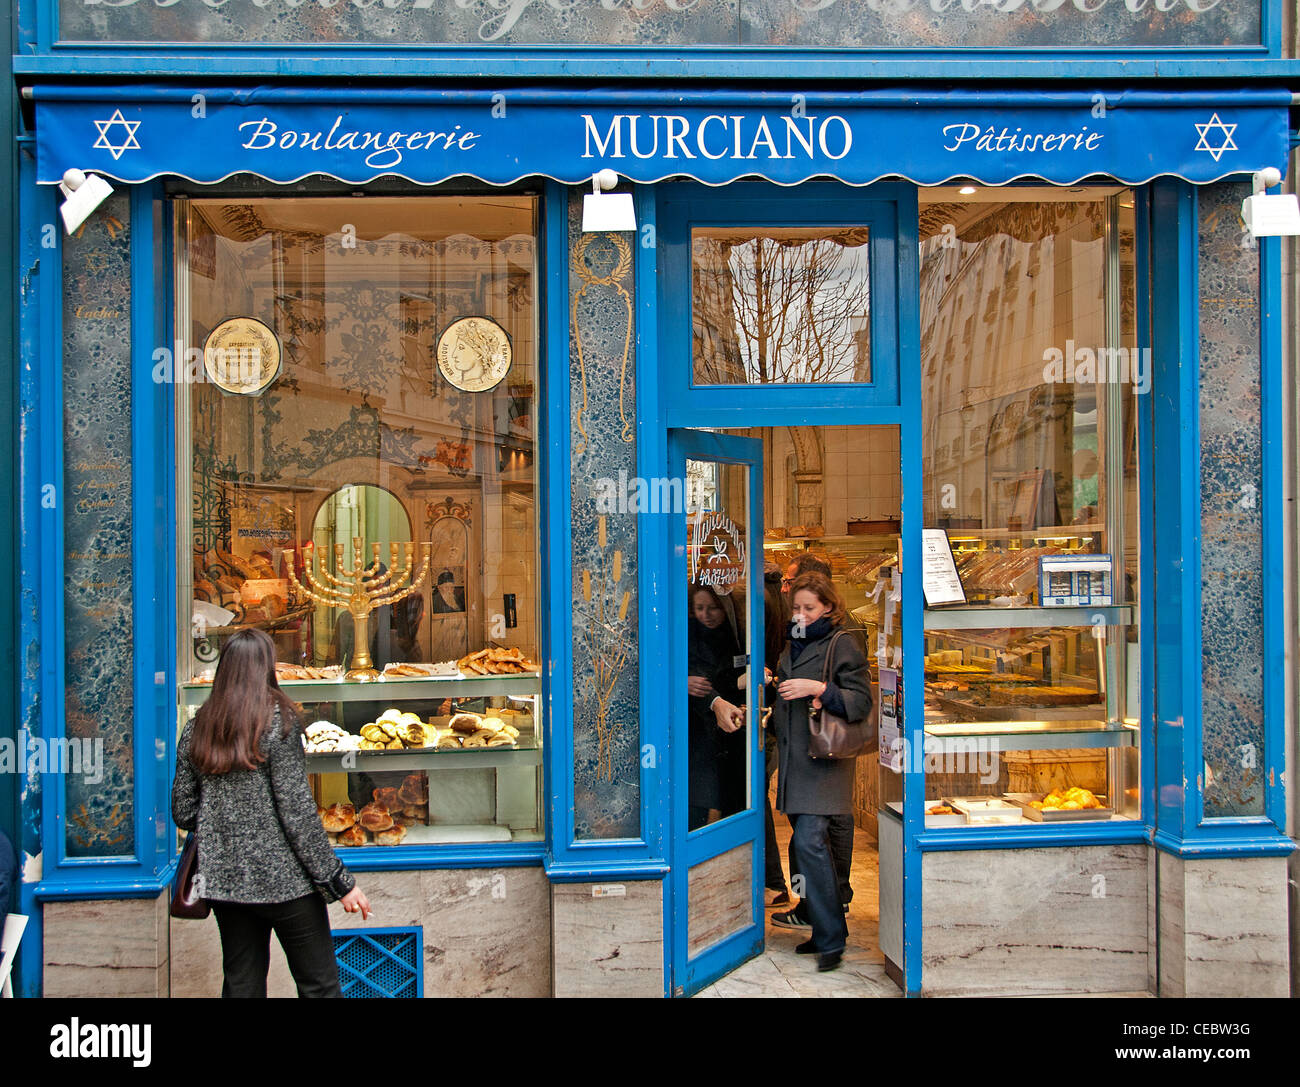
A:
1029,464
359,465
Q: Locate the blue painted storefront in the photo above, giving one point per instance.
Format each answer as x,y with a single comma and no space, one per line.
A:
548,145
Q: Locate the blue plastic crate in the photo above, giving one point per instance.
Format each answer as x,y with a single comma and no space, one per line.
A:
380,962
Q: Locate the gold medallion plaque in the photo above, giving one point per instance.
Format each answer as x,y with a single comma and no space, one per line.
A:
242,355
474,354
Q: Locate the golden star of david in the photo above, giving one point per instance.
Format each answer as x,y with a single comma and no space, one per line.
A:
1227,130
128,144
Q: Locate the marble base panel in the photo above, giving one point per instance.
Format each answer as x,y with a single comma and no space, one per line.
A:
80,962
1223,927
486,933
1055,920
608,944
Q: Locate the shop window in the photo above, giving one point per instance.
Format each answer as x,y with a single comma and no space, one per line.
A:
358,478
1029,306
781,305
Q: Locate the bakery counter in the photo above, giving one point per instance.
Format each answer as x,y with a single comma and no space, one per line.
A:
386,688
522,754
989,618
1036,735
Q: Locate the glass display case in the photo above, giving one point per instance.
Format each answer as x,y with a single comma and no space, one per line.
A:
1032,385
357,453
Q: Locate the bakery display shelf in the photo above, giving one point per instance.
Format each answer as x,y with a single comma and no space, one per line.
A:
1040,734
976,712
450,834
976,618
519,685
1048,532
285,620
524,753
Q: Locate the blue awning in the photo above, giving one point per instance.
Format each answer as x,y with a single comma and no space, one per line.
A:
284,134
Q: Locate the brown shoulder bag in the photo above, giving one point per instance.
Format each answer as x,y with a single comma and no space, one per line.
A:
832,737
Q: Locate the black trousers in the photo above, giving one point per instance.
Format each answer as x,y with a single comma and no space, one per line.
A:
303,929
839,829
820,901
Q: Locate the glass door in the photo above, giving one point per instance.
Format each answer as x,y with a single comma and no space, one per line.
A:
715,680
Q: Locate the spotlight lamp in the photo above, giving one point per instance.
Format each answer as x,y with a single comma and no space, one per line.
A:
84,193
607,212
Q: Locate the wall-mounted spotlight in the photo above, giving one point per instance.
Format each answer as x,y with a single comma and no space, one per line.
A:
612,212
84,192
1272,216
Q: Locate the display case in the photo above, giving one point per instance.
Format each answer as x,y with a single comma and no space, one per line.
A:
420,761
358,459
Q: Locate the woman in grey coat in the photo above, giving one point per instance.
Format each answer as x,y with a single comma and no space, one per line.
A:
810,790
265,861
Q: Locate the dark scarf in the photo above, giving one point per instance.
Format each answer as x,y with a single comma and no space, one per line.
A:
813,632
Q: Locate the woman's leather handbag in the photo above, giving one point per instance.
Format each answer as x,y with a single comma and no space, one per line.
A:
186,902
831,737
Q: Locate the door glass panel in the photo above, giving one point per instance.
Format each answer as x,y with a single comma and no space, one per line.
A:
719,622
780,305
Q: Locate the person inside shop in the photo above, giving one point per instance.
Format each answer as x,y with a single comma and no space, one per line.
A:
265,860
813,791
841,826
716,713
776,623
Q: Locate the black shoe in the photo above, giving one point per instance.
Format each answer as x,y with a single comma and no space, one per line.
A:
829,961
846,909
805,948
789,919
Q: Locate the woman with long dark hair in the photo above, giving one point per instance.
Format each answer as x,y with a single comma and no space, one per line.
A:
265,862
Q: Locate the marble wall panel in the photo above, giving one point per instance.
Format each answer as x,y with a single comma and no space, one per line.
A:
97,502
1035,920
611,945
1232,594
1223,924
79,961
602,404
721,898
487,932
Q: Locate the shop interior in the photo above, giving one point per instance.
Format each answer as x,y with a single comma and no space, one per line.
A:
1030,374
367,495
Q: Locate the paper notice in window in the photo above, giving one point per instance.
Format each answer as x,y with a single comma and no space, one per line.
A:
938,571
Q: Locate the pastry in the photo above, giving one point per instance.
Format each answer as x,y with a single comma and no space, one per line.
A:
475,741
493,724
387,796
338,817
375,817
354,835
414,790
373,732
468,723
391,836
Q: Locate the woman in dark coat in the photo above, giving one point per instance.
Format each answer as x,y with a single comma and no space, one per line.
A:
717,734
810,790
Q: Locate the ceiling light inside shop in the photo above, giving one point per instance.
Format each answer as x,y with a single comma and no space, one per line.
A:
968,190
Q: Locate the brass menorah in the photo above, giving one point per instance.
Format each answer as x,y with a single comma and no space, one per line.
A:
360,590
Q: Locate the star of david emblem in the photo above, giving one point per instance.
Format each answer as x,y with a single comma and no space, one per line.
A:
128,143
1203,131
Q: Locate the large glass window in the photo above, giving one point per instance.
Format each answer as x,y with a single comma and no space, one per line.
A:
1031,380
358,478
781,305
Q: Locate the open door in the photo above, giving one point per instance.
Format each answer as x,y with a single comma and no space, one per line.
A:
715,680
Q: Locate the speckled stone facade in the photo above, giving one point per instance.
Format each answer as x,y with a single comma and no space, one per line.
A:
792,23
602,398
97,503
1232,597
